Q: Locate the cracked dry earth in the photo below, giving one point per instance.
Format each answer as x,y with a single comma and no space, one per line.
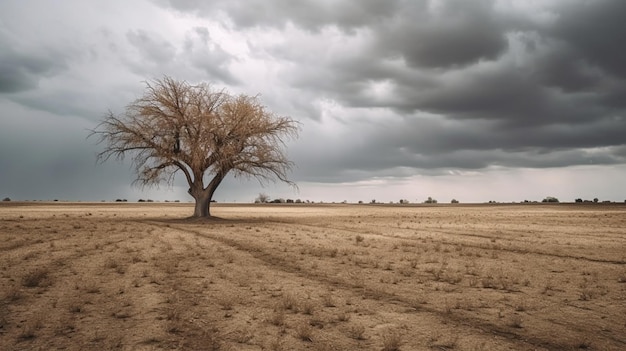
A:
312,277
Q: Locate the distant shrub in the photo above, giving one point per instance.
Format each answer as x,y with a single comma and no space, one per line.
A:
141,200
595,200
6,199
454,201
579,200
298,201
360,201
430,200
290,201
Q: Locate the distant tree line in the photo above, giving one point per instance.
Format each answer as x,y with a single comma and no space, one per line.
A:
265,199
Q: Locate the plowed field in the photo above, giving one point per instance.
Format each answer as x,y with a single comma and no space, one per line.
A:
312,277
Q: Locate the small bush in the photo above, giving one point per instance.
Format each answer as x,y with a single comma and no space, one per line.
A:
6,199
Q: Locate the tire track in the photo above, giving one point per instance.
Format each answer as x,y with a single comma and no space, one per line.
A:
472,245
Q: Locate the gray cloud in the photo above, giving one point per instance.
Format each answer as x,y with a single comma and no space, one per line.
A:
22,68
151,47
449,34
550,90
595,31
198,53
309,14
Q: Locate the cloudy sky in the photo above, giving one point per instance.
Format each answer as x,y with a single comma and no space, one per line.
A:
500,100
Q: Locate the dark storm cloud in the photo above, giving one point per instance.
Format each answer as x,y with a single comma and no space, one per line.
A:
595,31
543,91
309,14
22,68
452,34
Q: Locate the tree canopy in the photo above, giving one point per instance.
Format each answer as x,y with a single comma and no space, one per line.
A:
200,132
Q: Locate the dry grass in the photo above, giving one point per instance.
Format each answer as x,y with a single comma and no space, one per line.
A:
321,277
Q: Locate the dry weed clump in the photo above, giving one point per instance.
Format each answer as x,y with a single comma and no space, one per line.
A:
392,340
515,321
356,332
306,307
38,277
343,317
227,302
304,331
328,301
29,329
288,302
443,342
277,318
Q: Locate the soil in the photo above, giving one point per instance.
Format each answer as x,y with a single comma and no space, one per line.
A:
79,276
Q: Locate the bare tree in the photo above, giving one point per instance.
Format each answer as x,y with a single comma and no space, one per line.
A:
262,198
203,133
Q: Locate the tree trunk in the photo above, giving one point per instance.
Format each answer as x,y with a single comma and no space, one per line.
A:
203,195
203,201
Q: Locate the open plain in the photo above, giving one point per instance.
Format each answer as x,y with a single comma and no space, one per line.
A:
79,276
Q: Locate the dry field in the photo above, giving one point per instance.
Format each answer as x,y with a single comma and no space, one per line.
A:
312,277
